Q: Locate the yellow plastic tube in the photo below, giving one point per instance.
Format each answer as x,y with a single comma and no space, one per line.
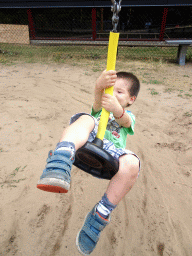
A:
111,62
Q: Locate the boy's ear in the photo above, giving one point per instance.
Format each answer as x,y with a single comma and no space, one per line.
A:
132,100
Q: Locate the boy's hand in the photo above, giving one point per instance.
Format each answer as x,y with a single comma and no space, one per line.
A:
110,103
106,79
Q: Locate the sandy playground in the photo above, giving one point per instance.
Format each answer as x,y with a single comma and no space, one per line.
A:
154,219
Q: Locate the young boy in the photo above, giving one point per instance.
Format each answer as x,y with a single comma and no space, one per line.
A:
83,127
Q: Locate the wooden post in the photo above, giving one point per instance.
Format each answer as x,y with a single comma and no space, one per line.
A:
31,24
101,20
94,33
163,24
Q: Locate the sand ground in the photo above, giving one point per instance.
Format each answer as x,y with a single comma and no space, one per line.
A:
155,218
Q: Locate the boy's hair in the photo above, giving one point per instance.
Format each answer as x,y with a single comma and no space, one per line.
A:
135,84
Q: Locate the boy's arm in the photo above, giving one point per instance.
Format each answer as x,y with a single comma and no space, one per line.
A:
111,104
123,119
105,80
97,100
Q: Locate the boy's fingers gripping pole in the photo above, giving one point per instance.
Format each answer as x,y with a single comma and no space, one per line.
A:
111,62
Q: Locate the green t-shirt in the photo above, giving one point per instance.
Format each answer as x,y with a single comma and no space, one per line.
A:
114,132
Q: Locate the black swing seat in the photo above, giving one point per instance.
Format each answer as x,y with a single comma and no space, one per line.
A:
93,159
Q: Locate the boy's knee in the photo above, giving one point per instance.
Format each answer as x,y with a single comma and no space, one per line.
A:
129,164
86,120
86,117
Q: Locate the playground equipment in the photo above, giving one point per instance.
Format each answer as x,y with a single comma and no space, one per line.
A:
92,158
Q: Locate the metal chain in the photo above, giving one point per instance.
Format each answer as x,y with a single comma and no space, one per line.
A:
115,8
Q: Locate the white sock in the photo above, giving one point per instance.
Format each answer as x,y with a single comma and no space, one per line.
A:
103,210
67,146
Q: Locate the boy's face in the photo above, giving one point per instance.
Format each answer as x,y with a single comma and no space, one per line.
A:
121,92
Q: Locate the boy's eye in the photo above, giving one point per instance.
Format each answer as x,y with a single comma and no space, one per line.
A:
119,92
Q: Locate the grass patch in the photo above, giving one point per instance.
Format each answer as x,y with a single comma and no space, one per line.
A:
186,94
151,82
155,82
9,179
153,92
189,114
11,53
148,53
169,90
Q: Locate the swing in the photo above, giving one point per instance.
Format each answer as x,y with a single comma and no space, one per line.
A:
92,158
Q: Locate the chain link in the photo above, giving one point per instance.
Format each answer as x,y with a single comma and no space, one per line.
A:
115,8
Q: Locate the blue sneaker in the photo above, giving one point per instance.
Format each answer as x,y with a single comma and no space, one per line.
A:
89,234
56,176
